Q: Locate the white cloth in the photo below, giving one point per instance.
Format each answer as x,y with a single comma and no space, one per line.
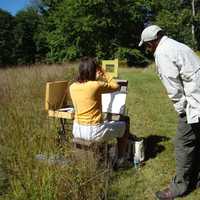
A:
100,132
179,70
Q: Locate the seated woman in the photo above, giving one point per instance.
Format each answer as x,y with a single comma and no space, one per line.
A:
86,97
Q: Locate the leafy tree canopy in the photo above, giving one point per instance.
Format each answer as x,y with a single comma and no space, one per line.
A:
6,38
59,30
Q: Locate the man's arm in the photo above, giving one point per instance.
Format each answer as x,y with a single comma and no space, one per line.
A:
169,74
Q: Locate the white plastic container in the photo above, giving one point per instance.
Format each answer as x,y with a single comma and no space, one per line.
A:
139,150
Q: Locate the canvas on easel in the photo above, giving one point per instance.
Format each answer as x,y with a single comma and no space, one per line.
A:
115,102
111,67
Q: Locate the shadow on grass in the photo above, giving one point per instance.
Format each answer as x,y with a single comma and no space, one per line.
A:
152,146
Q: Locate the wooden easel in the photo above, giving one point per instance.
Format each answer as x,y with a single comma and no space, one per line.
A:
57,104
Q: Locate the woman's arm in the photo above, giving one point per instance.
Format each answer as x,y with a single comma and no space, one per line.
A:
106,82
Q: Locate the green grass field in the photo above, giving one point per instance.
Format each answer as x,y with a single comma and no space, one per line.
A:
152,117
26,131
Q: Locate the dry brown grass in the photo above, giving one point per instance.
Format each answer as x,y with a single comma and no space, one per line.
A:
27,131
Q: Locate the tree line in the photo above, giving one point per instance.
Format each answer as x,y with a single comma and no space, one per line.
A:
56,31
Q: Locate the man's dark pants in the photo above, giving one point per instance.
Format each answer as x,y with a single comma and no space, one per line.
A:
187,153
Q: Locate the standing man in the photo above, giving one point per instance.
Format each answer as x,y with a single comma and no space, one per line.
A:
179,70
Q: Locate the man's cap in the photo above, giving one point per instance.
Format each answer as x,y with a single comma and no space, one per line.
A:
149,34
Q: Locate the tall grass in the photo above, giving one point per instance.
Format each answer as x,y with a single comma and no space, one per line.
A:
27,131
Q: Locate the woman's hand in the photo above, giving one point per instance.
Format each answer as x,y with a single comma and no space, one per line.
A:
100,72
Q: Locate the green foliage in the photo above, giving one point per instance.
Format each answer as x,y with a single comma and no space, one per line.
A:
133,57
94,28
27,44
196,22
54,31
6,38
176,19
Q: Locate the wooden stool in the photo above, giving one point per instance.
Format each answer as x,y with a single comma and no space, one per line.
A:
97,147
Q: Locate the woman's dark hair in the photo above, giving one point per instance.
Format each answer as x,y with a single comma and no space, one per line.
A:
87,69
